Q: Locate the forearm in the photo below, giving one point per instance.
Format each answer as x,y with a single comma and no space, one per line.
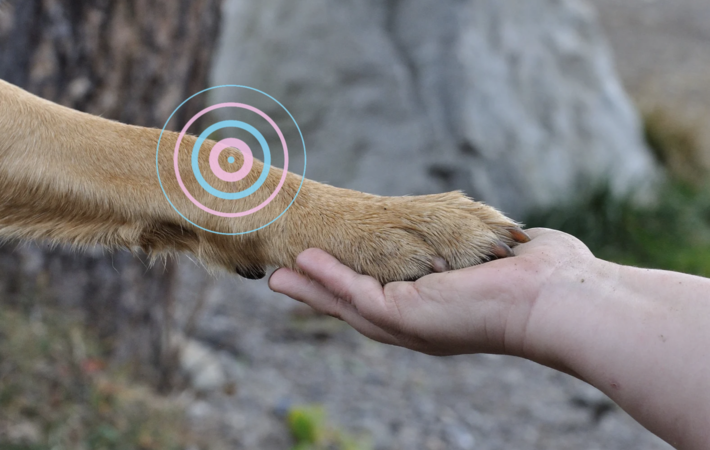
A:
640,336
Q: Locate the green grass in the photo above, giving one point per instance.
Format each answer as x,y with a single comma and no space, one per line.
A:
673,234
311,431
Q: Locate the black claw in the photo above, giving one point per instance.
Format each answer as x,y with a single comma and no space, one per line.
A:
251,272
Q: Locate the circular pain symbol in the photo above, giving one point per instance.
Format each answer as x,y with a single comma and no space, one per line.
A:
246,154
216,151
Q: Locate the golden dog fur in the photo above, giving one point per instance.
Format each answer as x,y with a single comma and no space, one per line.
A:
70,177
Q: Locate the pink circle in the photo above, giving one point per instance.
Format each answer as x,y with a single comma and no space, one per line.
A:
239,145
182,135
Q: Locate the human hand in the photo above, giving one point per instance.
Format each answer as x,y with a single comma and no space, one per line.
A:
481,309
639,335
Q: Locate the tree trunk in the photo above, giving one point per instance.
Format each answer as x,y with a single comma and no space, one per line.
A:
129,60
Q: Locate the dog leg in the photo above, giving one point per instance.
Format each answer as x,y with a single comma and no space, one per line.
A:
70,177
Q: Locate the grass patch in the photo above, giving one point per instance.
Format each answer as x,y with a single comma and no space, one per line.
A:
311,431
56,391
673,234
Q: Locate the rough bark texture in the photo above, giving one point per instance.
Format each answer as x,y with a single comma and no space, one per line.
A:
129,60
133,61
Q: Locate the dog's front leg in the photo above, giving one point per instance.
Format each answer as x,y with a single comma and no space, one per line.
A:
74,178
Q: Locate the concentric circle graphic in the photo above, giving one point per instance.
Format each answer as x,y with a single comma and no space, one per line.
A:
234,143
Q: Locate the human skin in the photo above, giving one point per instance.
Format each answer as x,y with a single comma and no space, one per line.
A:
641,336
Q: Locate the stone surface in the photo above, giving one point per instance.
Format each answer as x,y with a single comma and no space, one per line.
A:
515,102
201,364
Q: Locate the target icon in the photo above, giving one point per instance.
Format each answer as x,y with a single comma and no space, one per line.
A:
217,171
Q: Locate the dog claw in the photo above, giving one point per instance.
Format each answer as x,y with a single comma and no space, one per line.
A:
251,272
501,250
519,235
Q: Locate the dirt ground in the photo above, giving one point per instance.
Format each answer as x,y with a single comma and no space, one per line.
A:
278,358
662,52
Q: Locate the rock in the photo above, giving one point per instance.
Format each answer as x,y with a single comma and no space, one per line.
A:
23,432
594,400
199,409
459,437
201,364
515,102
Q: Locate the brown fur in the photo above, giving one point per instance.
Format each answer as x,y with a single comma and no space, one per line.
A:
70,177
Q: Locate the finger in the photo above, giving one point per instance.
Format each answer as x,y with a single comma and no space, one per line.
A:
286,281
535,232
536,235
365,293
557,242
338,278
302,289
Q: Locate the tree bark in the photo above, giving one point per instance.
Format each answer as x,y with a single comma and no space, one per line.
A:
129,60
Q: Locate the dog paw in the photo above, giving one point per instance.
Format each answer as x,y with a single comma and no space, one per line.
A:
405,238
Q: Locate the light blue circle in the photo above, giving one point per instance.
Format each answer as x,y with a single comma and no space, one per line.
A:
230,160
157,152
196,164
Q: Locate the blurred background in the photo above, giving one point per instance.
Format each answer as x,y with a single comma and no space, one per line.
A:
586,116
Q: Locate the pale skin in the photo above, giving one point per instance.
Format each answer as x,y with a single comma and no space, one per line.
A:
641,336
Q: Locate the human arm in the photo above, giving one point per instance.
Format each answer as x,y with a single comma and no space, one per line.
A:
641,336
